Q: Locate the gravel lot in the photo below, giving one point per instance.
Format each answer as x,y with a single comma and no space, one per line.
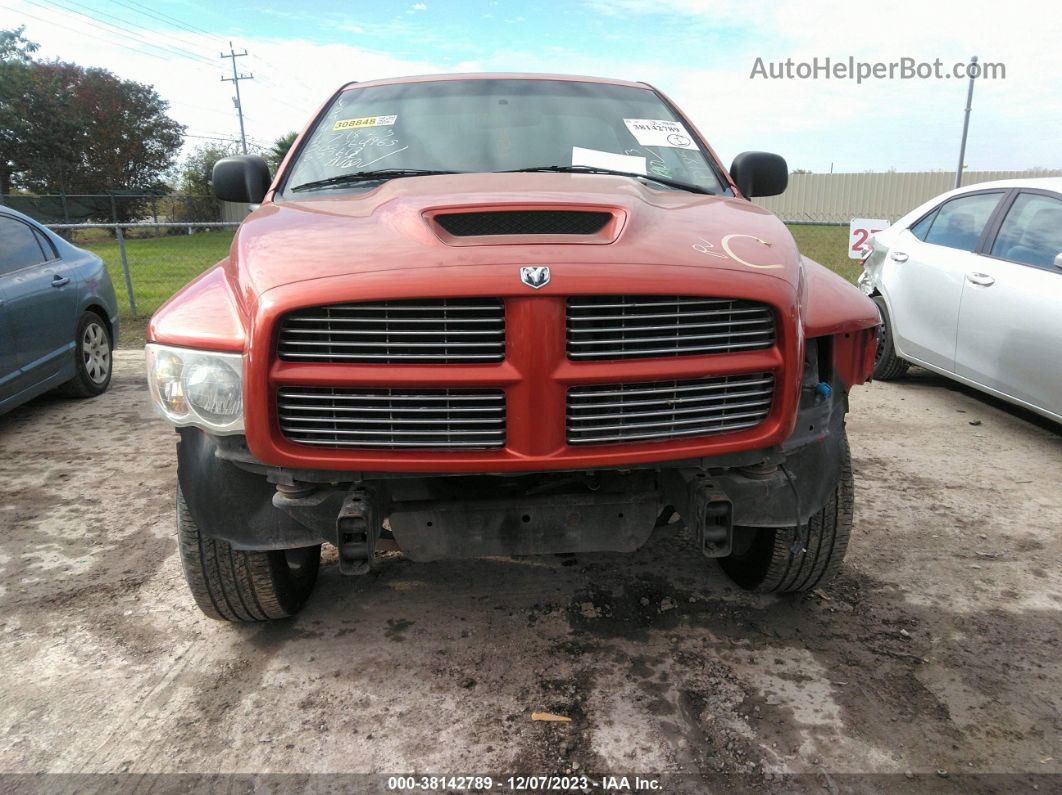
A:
936,650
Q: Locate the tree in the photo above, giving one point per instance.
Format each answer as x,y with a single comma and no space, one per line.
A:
18,103
198,167
65,128
279,150
197,202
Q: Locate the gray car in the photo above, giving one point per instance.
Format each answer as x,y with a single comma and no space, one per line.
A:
58,314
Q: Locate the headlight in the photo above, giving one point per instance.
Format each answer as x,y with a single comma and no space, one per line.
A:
197,388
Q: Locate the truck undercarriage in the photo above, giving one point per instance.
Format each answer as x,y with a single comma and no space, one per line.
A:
252,506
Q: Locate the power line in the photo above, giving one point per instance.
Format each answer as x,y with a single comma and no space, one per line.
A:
86,34
161,14
111,28
166,19
108,29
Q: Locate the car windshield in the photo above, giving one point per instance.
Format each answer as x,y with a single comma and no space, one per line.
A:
499,125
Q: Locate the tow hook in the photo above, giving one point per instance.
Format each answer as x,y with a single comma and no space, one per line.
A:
712,515
357,526
352,519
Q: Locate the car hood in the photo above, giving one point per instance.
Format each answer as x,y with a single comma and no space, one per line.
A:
391,227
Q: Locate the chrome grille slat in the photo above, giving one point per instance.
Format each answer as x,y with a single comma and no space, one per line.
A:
601,413
659,315
445,358
335,343
308,318
436,331
418,396
620,340
708,429
678,351
721,324
362,444
638,302
290,420
392,418
673,401
721,384
401,410
674,412
389,333
678,326
404,306
345,432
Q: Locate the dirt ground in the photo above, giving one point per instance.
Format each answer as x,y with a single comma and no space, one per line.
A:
936,652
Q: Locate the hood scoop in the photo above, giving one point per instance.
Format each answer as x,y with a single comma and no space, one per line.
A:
479,227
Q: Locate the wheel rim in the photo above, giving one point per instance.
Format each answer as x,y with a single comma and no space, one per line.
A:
883,329
96,353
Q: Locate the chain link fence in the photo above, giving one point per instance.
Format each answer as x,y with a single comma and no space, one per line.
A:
822,219
119,208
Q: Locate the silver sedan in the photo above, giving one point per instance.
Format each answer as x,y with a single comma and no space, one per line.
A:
969,285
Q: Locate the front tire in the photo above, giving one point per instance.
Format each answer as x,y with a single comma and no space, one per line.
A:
240,585
887,365
93,357
770,564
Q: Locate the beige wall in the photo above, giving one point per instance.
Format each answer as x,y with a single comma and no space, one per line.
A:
841,197
233,211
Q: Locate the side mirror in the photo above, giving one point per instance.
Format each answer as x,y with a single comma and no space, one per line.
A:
760,174
1058,260
243,179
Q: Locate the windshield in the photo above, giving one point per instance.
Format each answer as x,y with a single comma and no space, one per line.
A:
501,125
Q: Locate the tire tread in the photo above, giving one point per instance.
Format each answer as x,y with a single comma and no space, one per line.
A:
237,585
775,568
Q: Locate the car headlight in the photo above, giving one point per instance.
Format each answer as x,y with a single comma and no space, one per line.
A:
199,388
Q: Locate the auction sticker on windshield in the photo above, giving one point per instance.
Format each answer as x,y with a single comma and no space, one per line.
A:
659,132
367,121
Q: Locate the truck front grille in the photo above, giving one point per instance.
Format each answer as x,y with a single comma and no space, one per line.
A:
393,418
428,331
628,327
667,409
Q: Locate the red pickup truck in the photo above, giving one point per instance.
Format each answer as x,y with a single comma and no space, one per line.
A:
505,315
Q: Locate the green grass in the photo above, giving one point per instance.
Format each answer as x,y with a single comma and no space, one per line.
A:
158,267
162,265
827,245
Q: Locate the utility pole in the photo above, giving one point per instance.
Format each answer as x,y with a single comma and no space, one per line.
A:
235,80
966,122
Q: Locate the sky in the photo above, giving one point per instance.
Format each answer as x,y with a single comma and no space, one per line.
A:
701,53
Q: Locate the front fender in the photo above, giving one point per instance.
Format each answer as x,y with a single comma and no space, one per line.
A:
832,305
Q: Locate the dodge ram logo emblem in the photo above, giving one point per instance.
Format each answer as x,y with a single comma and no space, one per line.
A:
535,276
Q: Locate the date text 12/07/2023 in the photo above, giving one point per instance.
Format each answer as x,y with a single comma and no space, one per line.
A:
549,783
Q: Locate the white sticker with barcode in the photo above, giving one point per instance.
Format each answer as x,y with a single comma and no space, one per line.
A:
660,132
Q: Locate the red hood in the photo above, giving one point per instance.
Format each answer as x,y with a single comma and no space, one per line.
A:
387,229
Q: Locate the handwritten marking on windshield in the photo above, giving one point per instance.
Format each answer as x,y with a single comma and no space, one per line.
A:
355,150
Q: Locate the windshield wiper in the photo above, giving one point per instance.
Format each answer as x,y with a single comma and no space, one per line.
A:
674,183
369,176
